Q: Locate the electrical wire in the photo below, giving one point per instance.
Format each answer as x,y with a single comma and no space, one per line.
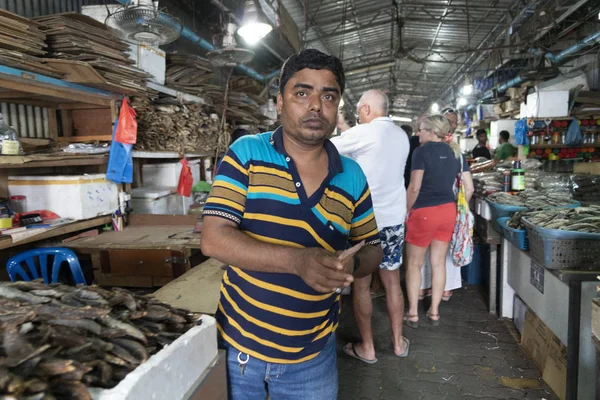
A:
224,136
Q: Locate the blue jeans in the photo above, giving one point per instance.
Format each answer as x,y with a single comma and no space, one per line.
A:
316,379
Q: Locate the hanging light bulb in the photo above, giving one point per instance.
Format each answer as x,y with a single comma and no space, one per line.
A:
253,27
467,90
435,108
462,102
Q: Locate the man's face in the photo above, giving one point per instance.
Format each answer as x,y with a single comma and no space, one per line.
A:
482,138
308,106
453,118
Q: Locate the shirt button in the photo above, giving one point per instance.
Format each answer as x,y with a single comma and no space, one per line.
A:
297,184
287,159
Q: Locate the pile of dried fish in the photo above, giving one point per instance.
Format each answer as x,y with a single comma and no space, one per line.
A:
580,219
56,340
532,199
180,128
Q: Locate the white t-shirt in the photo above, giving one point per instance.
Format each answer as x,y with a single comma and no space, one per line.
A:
381,149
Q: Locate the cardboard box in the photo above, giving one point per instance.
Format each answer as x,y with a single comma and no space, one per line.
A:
535,339
555,370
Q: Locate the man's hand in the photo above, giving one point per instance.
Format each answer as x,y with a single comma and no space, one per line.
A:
322,271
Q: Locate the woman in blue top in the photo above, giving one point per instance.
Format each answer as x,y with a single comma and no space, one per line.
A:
431,206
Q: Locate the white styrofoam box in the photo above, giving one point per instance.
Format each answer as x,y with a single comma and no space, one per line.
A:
167,174
565,82
554,104
172,372
468,143
163,201
502,125
69,196
519,310
482,208
150,59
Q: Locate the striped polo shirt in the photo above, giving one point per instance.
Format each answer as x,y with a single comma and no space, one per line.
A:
277,317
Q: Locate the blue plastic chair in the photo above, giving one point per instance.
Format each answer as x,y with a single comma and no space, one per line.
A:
15,268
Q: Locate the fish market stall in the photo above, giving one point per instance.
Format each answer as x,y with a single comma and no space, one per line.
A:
64,342
551,261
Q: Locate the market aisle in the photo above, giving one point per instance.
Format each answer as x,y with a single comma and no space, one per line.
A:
468,356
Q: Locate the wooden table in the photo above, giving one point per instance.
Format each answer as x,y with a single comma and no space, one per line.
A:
151,251
197,290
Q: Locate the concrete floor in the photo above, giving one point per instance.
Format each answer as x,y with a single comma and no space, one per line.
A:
471,355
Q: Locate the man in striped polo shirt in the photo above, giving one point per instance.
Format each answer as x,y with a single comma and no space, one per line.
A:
283,207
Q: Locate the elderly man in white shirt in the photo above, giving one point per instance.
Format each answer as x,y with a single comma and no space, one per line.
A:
381,149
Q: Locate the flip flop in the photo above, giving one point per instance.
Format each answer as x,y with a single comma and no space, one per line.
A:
447,298
427,294
434,322
350,350
405,354
412,324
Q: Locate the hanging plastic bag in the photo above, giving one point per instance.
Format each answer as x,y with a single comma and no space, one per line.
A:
120,161
461,244
521,130
574,136
186,180
127,127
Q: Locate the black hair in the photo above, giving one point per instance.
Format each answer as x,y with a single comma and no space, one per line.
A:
238,133
312,59
504,135
408,129
480,132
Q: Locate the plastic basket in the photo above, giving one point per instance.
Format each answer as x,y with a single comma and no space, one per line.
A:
518,237
558,249
502,211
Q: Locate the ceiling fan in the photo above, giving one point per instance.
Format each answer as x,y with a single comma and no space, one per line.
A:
402,52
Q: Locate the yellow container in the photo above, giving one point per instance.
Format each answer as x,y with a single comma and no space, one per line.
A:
6,223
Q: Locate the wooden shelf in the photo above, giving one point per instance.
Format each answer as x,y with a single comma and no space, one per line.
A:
6,242
22,87
167,154
15,162
561,146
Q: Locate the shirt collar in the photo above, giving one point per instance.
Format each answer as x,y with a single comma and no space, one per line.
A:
335,161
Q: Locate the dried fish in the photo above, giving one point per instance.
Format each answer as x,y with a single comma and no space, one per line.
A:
47,293
35,385
135,348
12,293
130,329
83,324
580,219
55,366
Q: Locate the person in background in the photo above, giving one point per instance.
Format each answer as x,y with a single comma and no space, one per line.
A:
413,141
505,150
481,149
381,148
431,209
342,123
452,115
282,209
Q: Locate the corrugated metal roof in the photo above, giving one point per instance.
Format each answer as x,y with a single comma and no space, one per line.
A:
437,45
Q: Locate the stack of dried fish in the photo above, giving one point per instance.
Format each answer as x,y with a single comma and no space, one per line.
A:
580,219
76,37
56,340
180,128
532,199
21,43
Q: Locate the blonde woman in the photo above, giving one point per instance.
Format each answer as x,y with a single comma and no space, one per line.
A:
431,206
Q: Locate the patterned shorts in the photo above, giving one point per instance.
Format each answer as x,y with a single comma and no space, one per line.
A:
392,243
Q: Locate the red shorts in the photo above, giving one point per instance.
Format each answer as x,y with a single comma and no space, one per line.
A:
431,223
